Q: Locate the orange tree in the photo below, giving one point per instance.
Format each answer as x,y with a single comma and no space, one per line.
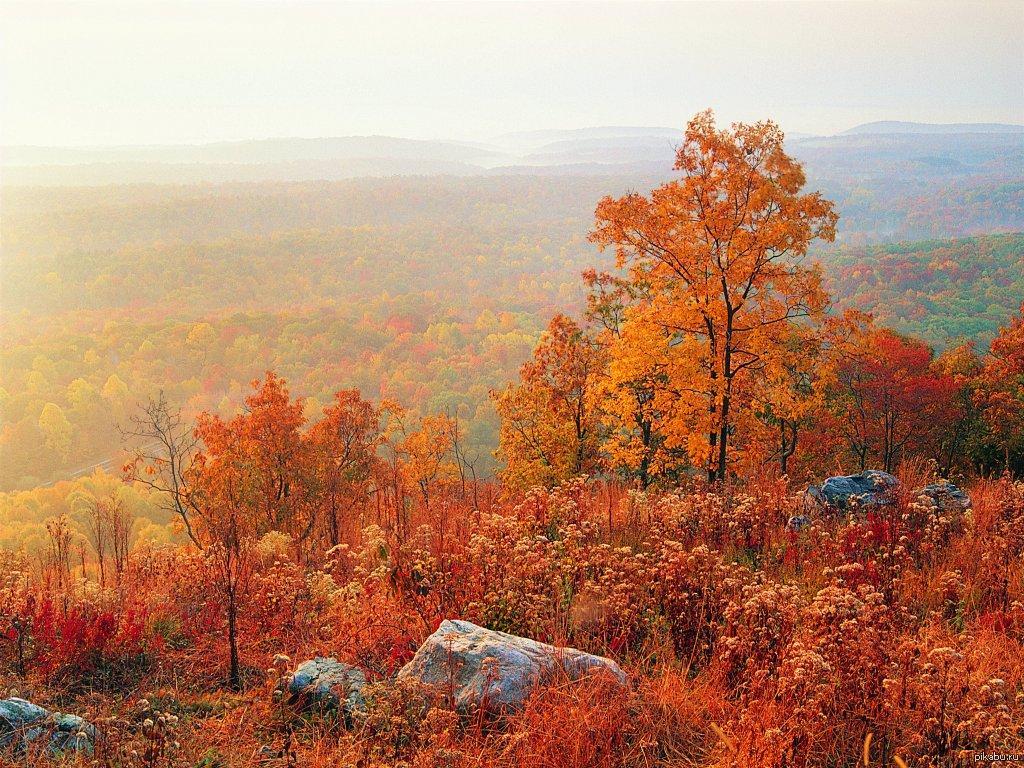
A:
632,392
230,482
716,256
344,445
1001,389
792,398
550,420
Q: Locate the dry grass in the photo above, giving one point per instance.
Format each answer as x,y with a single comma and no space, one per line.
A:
861,641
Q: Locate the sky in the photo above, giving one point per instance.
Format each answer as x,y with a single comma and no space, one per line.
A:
92,73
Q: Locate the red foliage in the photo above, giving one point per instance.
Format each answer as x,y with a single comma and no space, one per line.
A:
77,638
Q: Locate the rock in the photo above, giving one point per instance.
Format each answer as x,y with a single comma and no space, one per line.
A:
492,669
71,733
798,522
871,488
266,753
944,496
22,722
327,683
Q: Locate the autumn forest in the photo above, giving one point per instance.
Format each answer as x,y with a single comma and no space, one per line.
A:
712,457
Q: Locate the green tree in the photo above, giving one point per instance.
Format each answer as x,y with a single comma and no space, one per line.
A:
56,430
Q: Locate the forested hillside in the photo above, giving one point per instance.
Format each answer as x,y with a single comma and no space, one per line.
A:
431,291
939,290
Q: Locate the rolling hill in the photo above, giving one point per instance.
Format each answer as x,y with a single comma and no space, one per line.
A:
875,150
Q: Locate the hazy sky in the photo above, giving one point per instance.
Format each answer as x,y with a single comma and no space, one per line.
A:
97,73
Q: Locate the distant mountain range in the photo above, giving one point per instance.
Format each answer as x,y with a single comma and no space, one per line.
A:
955,150
254,151
895,126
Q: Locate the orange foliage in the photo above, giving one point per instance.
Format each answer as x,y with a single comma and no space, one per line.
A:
718,254
746,644
1003,387
550,421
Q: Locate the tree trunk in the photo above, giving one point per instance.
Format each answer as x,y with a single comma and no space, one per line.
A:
335,532
788,446
234,675
712,434
727,376
581,435
723,441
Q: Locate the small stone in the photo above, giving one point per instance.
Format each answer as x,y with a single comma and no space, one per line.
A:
327,683
944,496
798,522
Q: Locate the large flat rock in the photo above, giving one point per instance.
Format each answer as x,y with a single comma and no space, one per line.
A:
482,668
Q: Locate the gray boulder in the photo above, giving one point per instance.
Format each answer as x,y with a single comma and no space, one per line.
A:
798,522
23,724
944,496
495,670
871,488
326,683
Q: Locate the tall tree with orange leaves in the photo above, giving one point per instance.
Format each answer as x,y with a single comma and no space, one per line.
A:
253,476
1001,389
719,255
